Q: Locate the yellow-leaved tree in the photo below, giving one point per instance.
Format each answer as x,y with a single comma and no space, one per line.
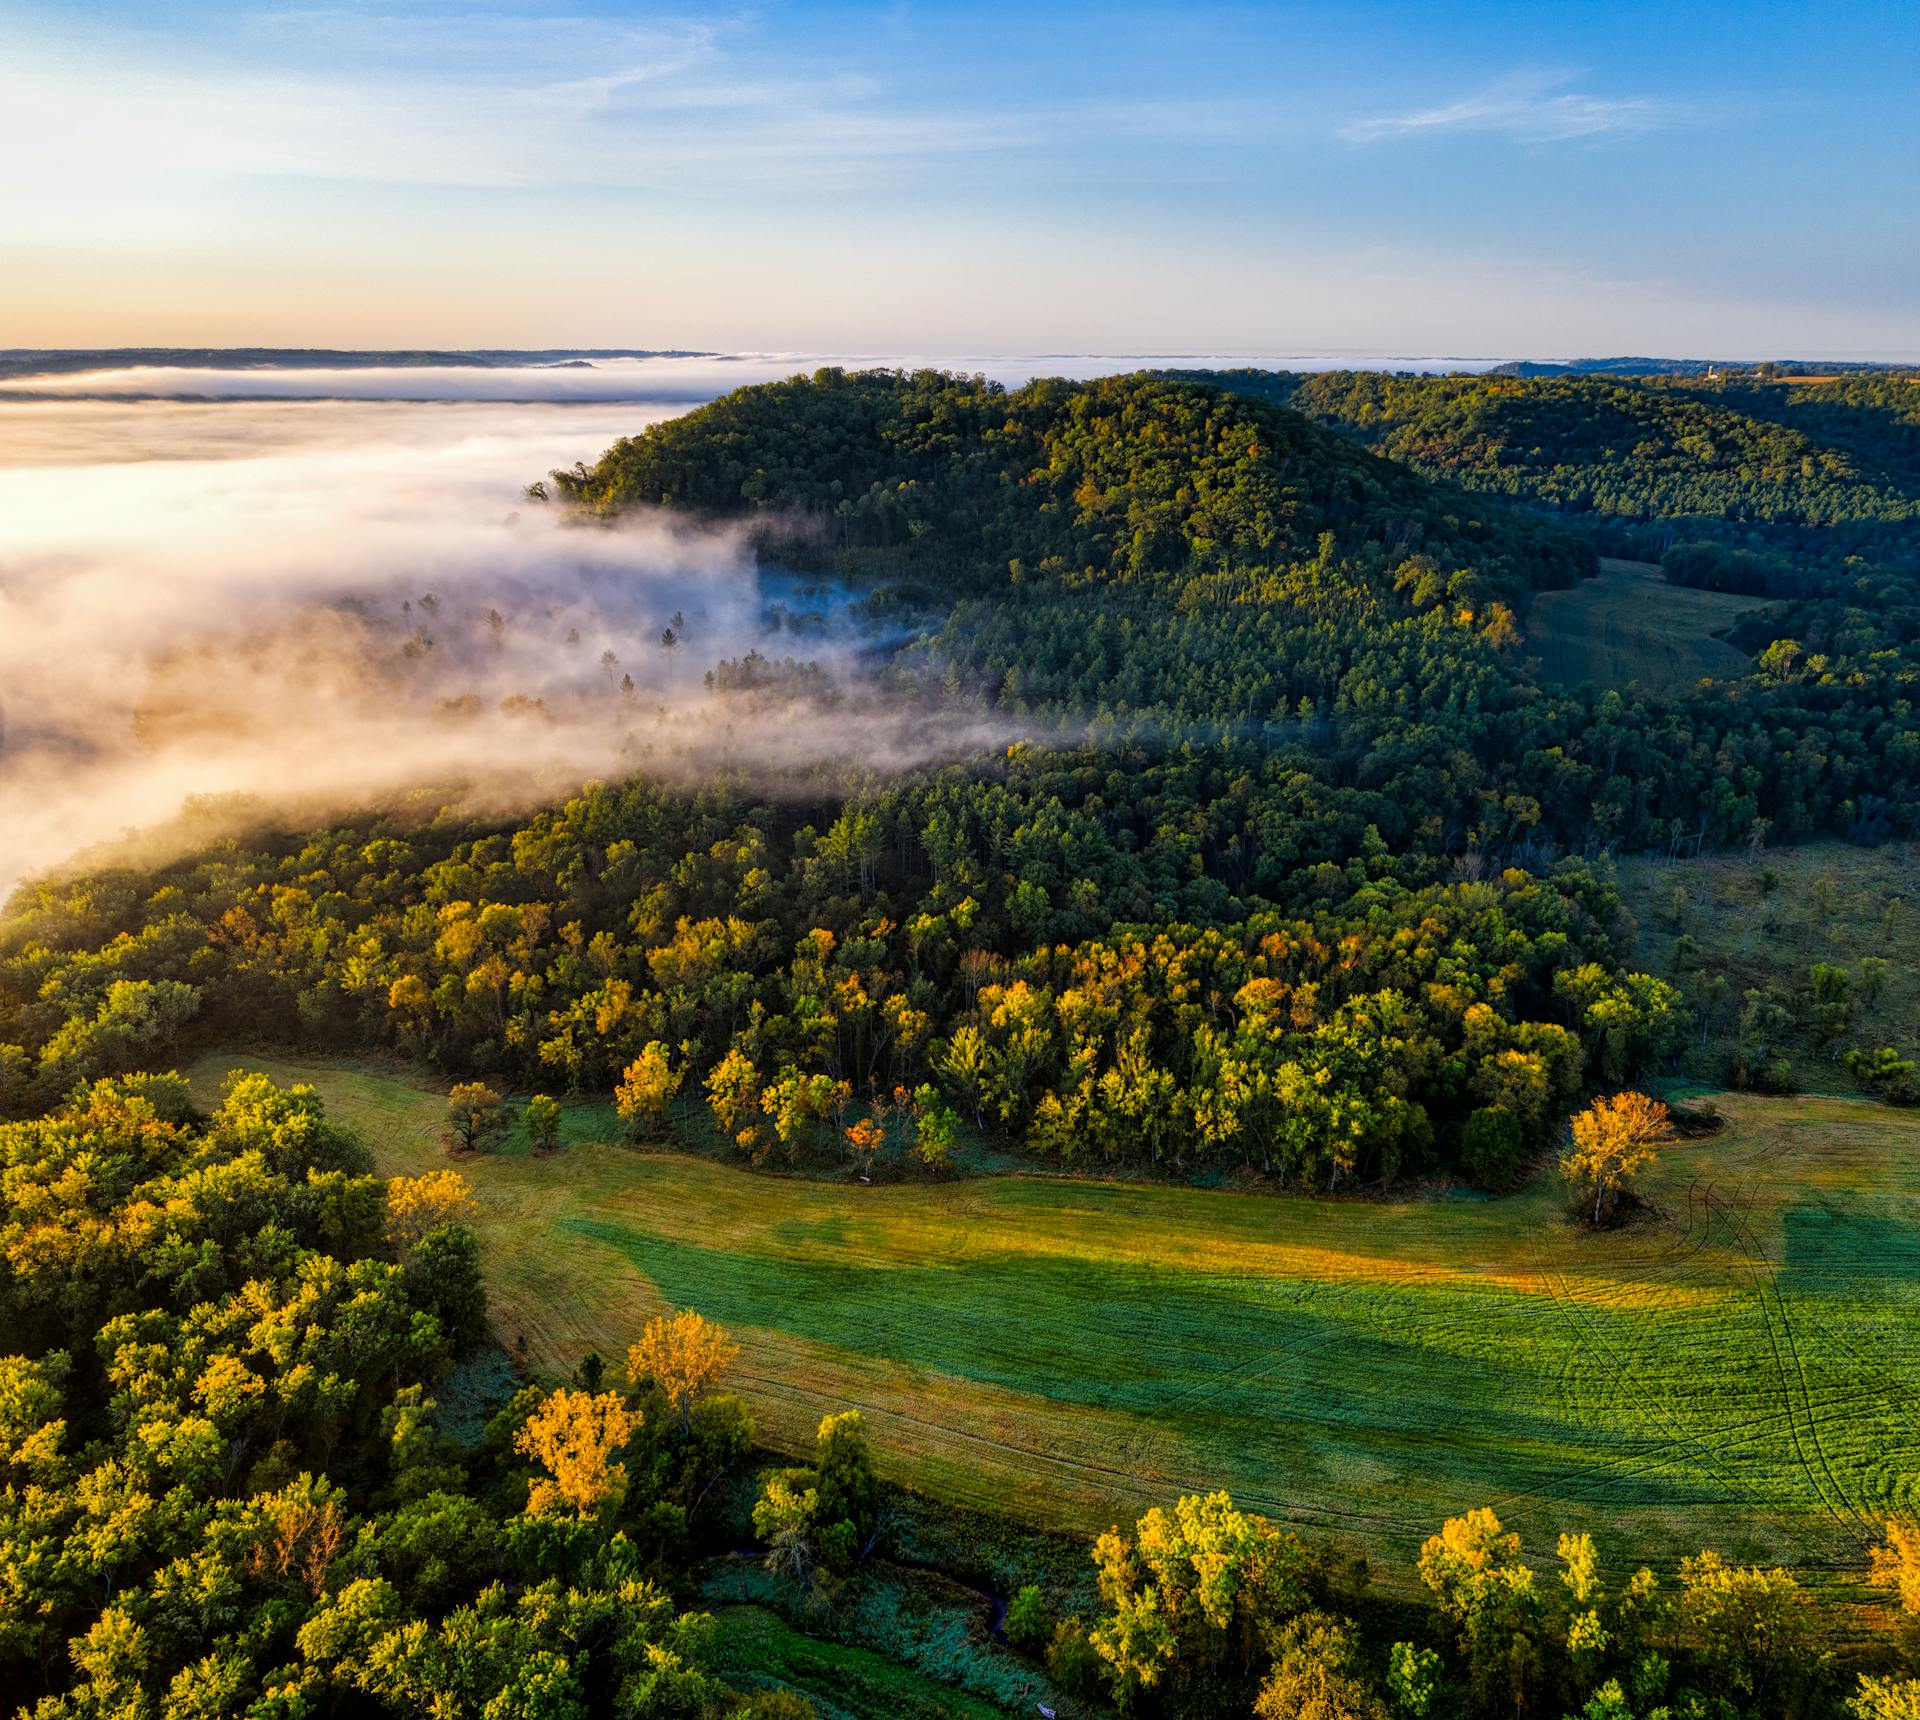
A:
1612,1139
1896,1565
686,1355
576,1436
1197,1586
416,1205
645,1095
1474,1568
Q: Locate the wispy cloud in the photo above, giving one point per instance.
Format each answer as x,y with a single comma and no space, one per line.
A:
519,103
1529,108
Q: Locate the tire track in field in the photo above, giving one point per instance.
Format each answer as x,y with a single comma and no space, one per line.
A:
1585,1482
1575,1484
1576,1315
780,1388
1765,1281
1889,1387
1033,1460
1260,1365
1846,1514
1737,1218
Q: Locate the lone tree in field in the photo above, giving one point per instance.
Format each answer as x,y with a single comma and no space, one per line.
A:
685,1355
1612,1138
543,1123
473,1108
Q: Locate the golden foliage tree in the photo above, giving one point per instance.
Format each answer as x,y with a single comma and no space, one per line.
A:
1754,1629
1474,1568
646,1091
301,1532
416,1205
1612,1139
473,1110
733,1094
577,1436
1317,1674
1886,1699
685,1355
1896,1566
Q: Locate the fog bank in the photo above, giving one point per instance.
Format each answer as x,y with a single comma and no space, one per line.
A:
666,381
329,604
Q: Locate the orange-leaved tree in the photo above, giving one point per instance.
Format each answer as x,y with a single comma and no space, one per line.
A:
576,1437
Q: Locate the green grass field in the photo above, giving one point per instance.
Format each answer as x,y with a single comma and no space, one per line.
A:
1631,625
1742,1372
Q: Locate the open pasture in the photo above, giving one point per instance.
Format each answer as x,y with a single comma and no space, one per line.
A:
1631,625
1741,1371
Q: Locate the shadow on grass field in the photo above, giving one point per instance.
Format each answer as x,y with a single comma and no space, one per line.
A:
1740,1371
1631,625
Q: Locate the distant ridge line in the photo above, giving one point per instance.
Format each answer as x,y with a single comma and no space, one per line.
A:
16,361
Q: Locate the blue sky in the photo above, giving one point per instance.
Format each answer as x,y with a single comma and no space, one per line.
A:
1485,179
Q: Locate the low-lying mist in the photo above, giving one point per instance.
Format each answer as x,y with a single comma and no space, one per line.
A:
322,605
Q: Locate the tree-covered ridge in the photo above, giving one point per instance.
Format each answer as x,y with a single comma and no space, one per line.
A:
959,480
1799,489
1380,619
1636,450
1326,751
1878,410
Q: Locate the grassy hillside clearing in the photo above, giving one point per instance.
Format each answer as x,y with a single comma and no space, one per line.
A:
842,1681
1742,1372
1631,625
1760,922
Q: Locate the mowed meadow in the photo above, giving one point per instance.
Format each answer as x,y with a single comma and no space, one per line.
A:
1741,1370
1631,625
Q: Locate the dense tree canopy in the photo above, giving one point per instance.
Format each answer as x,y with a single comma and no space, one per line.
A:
226,1487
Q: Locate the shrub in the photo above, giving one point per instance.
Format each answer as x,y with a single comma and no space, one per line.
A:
1887,1072
1029,1621
543,1123
778,1704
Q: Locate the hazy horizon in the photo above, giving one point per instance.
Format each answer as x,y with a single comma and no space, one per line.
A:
147,355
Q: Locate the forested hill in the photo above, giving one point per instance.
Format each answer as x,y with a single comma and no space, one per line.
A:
1809,477
961,482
